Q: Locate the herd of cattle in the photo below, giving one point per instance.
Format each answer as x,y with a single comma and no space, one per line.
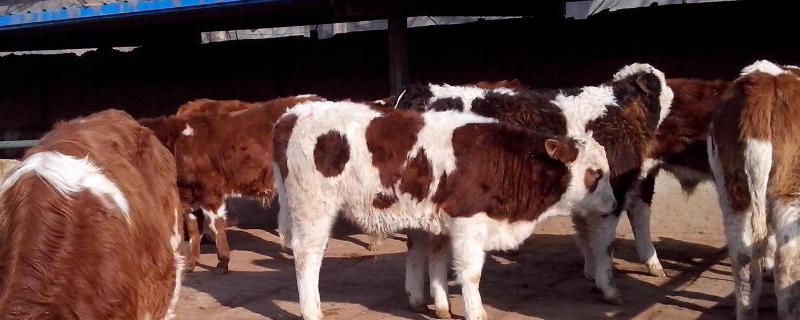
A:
92,219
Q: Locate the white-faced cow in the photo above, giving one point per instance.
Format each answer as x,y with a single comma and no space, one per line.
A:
753,152
89,225
622,115
485,185
222,149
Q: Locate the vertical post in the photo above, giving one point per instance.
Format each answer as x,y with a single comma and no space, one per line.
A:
398,50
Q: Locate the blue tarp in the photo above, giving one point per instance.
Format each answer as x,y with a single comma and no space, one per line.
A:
32,14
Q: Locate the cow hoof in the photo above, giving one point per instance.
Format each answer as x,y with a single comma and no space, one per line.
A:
656,270
419,308
375,243
188,267
768,276
443,314
221,269
372,247
588,271
615,299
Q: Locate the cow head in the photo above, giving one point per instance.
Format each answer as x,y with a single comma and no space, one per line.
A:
413,97
641,81
589,187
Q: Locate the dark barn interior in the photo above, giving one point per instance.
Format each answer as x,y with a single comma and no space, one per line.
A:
684,41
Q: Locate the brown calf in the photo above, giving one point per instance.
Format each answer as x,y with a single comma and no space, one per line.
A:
753,153
89,227
681,139
221,154
204,106
680,149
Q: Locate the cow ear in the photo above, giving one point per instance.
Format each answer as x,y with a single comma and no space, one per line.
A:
560,150
648,83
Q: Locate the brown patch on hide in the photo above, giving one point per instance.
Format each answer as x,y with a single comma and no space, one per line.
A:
389,140
530,110
503,171
591,178
446,104
417,176
283,131
785,175
331,153
383,201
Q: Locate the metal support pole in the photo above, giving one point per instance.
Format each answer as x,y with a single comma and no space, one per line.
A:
398,51
18,144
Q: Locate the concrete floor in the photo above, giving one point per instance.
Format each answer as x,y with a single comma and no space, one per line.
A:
543,281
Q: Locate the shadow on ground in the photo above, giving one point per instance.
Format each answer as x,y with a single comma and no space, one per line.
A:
542,280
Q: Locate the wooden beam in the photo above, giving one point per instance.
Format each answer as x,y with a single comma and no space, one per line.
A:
398,51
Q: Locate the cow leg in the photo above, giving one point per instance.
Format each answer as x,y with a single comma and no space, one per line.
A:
438,259
582,240
786,221
309,238
216,222
194,242
638,204
746,222
603,233
468,259
415,272
375,241
284,217
639,216
768,262
746,272
223,250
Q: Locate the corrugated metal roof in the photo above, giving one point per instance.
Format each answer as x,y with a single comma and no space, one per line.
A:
586,8
10,7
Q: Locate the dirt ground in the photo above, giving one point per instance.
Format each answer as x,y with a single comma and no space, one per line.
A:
543,281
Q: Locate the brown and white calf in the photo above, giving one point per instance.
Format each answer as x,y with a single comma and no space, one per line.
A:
485,185
679,149
622,115
89,225
753,152
221,154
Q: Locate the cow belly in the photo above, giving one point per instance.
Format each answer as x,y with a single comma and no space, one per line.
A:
493,234
401,215
504,235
